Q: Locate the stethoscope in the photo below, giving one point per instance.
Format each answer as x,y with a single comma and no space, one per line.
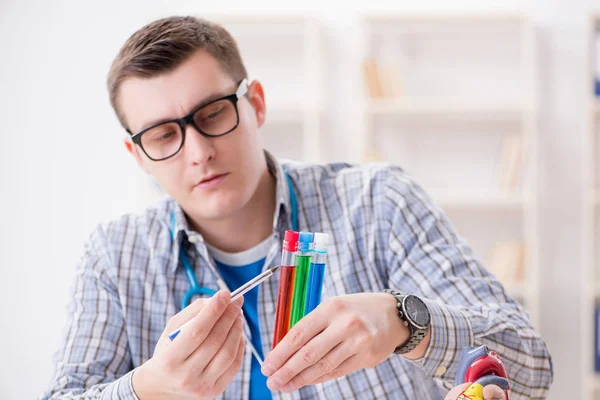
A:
195,288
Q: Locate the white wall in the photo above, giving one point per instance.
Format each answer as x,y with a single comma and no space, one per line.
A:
64,169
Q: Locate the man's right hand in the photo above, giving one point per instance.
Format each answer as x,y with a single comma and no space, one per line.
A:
202,360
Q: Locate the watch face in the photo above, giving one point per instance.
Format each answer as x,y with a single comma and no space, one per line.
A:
417,311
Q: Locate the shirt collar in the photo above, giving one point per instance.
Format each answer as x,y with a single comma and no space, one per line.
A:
283,207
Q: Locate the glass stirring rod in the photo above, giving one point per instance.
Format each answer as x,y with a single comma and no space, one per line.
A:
246,287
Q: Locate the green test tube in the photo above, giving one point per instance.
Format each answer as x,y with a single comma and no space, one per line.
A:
302,264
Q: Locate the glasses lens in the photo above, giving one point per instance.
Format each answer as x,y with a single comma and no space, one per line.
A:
216,118
162,141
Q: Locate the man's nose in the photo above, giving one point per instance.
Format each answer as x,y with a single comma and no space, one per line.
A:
198,149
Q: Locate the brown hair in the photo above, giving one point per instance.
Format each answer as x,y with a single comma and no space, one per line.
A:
163,45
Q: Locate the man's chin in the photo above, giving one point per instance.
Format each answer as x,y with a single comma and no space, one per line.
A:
216,214
215,208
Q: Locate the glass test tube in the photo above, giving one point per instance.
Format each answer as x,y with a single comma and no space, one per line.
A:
286,286
317,272
302,262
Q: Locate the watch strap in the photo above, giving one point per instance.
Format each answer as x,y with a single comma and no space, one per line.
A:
416,335
413,341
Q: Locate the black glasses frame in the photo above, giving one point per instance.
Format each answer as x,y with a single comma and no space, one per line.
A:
189,120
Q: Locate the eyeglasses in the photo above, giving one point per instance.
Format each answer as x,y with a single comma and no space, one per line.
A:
217,118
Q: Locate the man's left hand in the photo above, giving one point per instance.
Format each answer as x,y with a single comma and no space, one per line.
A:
341,335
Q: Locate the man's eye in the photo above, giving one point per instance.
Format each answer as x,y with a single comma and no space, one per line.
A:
165,136
213,114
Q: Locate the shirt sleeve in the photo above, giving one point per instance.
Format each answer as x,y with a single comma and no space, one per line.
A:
468,305
93,361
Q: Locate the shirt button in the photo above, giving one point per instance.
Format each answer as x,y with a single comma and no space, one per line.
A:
440,371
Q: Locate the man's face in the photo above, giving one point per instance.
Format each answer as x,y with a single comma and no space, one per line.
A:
211,178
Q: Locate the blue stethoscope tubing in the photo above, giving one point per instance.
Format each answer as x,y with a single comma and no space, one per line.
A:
195,288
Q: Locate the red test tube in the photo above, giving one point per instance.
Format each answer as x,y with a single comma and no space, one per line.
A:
286,286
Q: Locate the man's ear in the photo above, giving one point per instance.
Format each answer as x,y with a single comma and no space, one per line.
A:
133,150
256,96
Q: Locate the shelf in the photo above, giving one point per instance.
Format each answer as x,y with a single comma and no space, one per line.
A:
407,107
492,200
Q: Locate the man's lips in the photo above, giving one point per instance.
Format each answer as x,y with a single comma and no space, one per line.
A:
211,180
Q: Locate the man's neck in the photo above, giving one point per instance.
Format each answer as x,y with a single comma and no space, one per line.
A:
258,214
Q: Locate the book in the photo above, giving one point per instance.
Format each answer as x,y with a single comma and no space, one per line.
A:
372,79
389,81
511,163
381,80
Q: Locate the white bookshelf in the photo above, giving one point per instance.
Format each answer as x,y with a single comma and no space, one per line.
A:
284,53
591,225
449,116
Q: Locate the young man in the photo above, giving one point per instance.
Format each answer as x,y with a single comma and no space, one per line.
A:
179,88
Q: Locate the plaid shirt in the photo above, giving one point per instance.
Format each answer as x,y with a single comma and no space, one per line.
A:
385,233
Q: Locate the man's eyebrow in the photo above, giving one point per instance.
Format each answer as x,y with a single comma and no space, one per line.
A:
198,105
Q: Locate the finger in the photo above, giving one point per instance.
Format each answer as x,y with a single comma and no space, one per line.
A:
324,366
199,327
226,355
348,366
308,327
308,355
185,315
216,338
493,392
453,394
225,379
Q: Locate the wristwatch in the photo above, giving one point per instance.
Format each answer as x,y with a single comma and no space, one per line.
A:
414,314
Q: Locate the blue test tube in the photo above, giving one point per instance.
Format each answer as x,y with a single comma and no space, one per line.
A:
317,271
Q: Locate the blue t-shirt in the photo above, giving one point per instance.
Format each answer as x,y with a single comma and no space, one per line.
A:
237,269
